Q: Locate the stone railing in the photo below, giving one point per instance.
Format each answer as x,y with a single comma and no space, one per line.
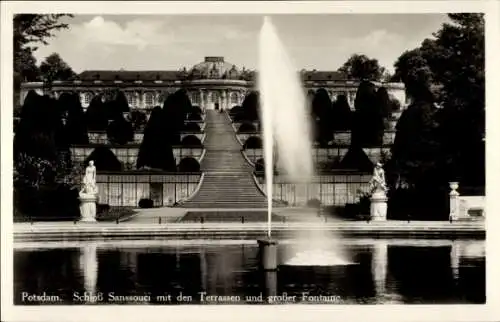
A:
321,155
339,138
127,155
100,137
465,207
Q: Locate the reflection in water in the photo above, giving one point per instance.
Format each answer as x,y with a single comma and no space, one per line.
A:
455,259
89,268
450,272
379,266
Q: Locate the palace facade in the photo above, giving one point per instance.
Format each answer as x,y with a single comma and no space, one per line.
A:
211,84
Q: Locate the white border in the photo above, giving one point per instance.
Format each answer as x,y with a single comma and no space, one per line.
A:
486,312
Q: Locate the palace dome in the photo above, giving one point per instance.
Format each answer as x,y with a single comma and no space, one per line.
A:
215,67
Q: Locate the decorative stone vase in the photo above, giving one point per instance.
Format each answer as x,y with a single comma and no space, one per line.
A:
454,201
378,207
88,206
454,187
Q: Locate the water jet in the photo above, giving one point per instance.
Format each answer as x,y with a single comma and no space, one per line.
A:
286,132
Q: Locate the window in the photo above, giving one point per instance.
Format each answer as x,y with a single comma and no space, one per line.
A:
86,97
132,99
148,99
214,97
234,98
195,98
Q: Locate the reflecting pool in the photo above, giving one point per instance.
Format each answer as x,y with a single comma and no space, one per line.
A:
227,272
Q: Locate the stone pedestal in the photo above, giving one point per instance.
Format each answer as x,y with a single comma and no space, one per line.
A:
268,254
378,207
88,207
454,201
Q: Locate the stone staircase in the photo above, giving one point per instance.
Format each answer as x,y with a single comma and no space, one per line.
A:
228,181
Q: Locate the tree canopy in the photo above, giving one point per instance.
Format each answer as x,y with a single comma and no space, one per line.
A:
361,67
249,109
42,160
54,68
440,135
341,114
96,115
76,124
368,126
453,62
322,114
30,30
156,147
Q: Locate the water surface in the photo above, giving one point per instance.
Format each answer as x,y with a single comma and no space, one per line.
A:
385,271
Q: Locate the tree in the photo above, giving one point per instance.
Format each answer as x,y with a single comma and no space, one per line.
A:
368,127
156,148
361,67
417,163
42,159
453,61
120,131
174,115
189,165
341,114
54,68
96,115
42,164
383,103
250,108
121,103
76,123
413,70
30,29
322,114
38,128
25,67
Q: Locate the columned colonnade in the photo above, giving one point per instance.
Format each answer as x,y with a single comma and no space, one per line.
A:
224,95
205,98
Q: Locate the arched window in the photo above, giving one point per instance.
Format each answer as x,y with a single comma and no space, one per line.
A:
86,97
132,99
234,98
195,98
148,100
214,97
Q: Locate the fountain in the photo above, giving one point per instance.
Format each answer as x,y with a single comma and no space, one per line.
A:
285,128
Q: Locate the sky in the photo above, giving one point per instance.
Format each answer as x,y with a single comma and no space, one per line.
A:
171,42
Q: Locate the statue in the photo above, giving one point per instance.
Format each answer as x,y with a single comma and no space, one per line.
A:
89,184
378,208
88,194
377,182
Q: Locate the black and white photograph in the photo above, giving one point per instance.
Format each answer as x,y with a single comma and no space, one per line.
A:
180,156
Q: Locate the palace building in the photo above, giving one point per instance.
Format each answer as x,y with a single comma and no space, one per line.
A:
211,84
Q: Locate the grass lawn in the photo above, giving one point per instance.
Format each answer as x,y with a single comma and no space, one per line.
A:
115,213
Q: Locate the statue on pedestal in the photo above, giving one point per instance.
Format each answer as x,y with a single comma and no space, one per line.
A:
89,184
88,194
377,182
378,188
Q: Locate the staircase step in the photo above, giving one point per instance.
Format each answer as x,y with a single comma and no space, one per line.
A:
228,181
